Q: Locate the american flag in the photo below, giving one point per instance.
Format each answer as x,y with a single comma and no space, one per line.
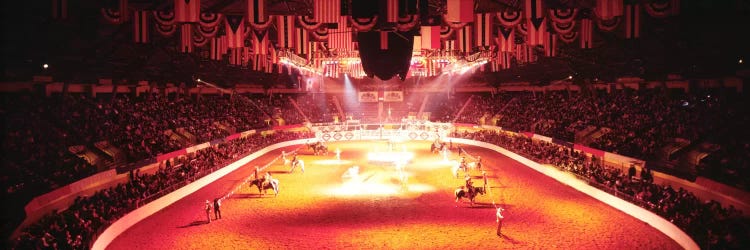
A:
607,9
140,26
256,11
327,11
460,11
464,39
632,21
186,38
483,31
285,31
430,37
586,33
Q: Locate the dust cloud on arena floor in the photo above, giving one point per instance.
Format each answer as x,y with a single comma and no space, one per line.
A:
321,209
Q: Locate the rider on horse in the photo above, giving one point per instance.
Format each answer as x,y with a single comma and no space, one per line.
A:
469,185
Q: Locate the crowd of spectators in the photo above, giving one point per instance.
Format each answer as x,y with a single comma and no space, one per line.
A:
707,222
319,108
635,123
77,226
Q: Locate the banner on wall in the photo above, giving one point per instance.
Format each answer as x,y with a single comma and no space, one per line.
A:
393,96
368,96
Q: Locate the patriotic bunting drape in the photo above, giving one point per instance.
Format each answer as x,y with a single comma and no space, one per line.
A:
207,32
234,27
164,17
562,15
117,15
166,30
536,30
505,39
210,19
199,40
308,23
446,32
608,24
563,28
510,18
187,11
407,23
568,37
663,8
260,42
364,24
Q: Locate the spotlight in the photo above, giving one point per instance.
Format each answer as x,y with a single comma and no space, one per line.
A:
45,66
739,61
198,80
570,77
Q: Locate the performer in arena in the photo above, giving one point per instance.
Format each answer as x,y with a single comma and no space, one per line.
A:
499,219
217,208
208,211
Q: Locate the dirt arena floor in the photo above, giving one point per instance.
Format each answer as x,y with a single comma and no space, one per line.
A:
320,209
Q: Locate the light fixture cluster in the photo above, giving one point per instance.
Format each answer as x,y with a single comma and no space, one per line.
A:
422,65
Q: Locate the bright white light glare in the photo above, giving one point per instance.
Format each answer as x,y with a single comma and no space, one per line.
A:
198,80
570,77
740,61
45,66
390,157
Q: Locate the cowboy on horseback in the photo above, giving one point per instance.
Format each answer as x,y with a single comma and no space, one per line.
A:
469,185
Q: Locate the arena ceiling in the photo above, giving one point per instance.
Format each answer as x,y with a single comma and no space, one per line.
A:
707,38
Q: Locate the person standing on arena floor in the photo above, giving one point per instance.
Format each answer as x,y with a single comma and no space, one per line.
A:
499,219
255,173
217,208
484,177
208,211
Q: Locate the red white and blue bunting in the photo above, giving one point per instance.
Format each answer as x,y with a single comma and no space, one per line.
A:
563,15
509,18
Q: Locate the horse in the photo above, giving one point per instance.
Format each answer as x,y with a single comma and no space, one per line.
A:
263,185
461,193
297,163
437,147
318,148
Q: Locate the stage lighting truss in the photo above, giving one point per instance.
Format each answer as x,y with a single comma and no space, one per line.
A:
423,63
